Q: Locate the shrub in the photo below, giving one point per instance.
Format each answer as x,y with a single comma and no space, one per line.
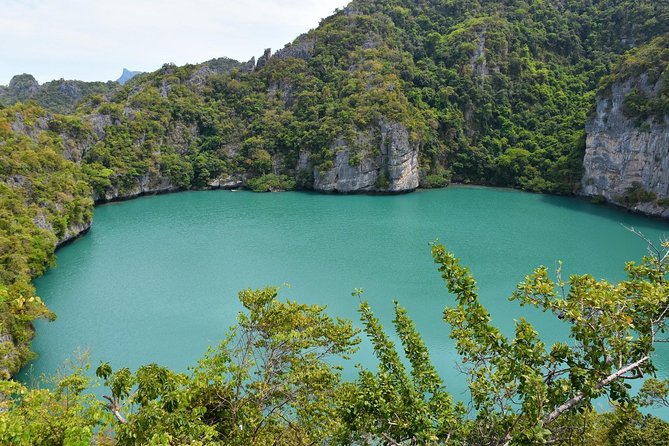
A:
382,181
598,199
433,181
663,201
271,183
636,194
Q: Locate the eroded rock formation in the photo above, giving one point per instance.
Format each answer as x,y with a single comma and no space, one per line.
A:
382,159
624,153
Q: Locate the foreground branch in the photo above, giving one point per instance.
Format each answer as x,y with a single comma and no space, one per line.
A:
115,409
573,402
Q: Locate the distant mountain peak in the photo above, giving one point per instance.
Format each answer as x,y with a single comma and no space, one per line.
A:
127,75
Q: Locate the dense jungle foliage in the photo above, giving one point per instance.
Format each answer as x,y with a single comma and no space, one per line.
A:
490,92
42,196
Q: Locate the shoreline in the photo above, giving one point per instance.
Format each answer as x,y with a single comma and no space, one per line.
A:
579,197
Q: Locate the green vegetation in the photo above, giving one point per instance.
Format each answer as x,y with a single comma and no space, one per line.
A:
58,96
636,194
42,196
272,380
272,183
491,92
644,67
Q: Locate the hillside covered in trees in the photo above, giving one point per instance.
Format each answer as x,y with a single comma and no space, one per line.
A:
384,96
486,92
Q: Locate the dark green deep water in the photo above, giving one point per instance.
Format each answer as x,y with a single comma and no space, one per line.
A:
155,280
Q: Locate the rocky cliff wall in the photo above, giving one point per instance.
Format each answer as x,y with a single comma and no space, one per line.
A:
380,160
624,154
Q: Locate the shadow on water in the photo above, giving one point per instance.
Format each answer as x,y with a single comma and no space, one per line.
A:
605,211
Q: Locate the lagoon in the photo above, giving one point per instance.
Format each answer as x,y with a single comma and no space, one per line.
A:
156,278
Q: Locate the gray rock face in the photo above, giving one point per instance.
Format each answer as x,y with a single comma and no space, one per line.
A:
200,76
228,182
390,165
24,86
71,90
262,60
73,232
301,48
249,66
7,343
127,75
146,185
619,152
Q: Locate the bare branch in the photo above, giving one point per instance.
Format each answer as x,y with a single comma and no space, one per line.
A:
573,402
115,409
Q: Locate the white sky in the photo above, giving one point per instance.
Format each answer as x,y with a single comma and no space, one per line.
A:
95,39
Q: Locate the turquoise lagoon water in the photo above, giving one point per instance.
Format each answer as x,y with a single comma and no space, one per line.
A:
156,278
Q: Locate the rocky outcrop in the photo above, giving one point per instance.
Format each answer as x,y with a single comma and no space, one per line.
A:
301,48
228,182
145,185
249,66
127,75
9,357
623,153
262,60
380,160
73,232
206,70
23,86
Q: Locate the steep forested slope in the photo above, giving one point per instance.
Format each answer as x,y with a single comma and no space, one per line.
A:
380,95
44,200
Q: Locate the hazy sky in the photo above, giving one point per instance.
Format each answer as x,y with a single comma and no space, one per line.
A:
95,39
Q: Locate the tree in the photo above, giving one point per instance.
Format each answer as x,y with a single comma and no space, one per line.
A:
392,406
61,414
270,382
518,386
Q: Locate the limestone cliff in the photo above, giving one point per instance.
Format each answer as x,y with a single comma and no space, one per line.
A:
626,155
380,160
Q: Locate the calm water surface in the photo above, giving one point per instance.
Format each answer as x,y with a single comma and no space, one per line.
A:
156,278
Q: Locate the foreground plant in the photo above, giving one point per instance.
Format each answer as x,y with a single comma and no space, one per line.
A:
272,380
518,386
61,414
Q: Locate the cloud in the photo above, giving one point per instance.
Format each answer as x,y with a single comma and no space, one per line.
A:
93,40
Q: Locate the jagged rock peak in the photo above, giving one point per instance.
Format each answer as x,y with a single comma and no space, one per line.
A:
301,48
127,75
262,60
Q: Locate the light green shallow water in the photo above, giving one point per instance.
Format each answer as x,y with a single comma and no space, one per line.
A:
156,278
